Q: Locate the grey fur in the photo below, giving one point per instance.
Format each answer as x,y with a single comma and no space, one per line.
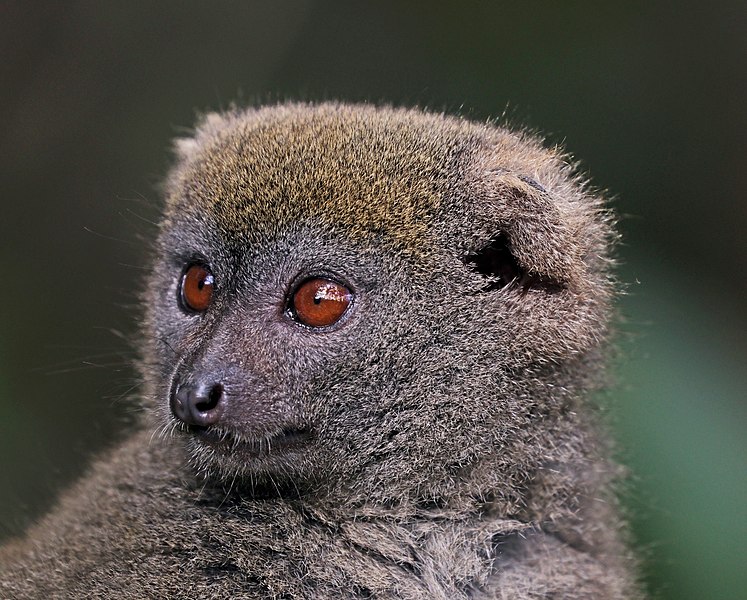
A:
453,451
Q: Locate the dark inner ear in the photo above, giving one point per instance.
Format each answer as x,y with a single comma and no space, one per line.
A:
496,262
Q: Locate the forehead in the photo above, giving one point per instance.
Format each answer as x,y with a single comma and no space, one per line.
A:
361,170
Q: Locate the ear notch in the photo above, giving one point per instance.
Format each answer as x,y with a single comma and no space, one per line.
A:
536,239
498,264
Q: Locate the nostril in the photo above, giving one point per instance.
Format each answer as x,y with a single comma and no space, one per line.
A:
212,399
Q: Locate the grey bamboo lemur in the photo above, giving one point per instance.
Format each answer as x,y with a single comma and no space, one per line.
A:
369,335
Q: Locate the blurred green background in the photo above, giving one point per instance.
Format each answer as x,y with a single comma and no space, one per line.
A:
651,96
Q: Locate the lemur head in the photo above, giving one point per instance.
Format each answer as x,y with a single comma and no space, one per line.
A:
370,299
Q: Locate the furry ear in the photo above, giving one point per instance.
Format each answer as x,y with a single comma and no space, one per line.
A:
546,242
185,148
541,239
521,231
209,124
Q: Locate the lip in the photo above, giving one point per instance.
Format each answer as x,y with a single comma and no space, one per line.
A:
286,440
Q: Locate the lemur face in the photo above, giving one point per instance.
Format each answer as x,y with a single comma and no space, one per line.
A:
341,298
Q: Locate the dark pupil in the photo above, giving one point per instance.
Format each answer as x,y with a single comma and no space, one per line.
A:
317,299
201,284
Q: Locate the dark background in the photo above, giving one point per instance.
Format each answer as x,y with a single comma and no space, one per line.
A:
650,95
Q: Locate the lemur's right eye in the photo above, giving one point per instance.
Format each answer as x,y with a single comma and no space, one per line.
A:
196,288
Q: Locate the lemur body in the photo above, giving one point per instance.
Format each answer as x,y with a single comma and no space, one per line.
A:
369,339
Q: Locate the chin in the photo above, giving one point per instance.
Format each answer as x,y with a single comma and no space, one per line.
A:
283,463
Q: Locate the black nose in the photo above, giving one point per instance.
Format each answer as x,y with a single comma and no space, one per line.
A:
198,404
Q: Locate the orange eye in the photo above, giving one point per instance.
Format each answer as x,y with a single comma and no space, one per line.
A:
320,302
196,289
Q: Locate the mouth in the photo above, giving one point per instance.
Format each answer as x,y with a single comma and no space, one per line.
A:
288,439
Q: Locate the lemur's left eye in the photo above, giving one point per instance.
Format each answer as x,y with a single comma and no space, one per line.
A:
196,288
320,302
